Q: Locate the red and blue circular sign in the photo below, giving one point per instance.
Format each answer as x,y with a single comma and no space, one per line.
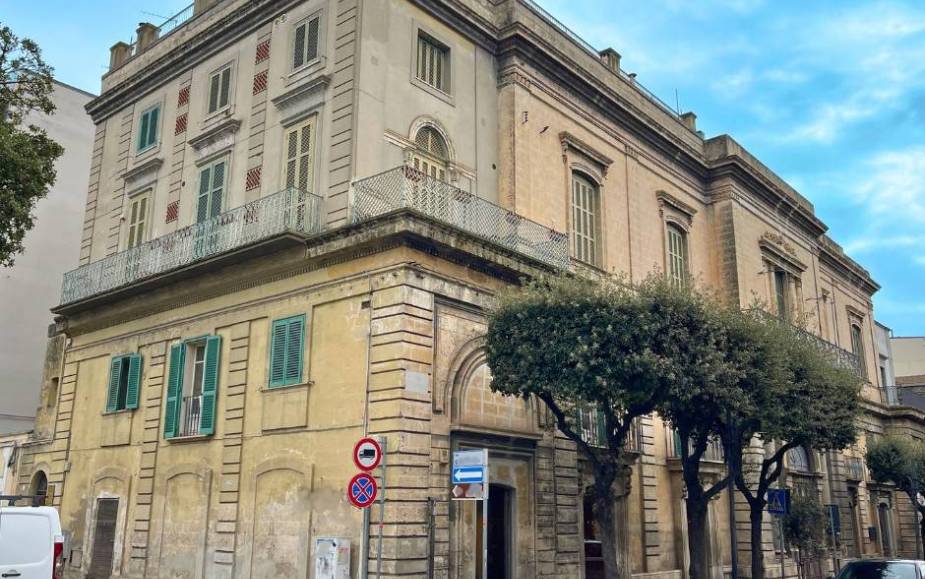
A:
362,490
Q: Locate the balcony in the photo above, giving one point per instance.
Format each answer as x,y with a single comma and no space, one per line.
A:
856,468
287,211
407,188
842,357
592,430
713,453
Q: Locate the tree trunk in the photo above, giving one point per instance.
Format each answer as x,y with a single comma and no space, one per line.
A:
604,514
697,536
756,517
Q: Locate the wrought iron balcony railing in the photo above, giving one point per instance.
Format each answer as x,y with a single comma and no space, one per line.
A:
590,422
407,188
288,210
842,357
714,452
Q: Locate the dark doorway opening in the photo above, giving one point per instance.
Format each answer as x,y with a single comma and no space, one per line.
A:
500,522
104,539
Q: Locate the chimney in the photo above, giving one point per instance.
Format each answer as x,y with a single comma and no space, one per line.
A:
611,59
145,36
632,76
200,6
689,120
119,55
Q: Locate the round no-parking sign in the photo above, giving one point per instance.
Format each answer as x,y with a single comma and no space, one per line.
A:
362,490
367,454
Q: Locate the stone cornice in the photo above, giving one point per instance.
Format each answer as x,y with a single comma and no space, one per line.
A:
832,255
570,141
225,32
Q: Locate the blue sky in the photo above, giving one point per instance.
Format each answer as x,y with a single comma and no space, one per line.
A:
830,94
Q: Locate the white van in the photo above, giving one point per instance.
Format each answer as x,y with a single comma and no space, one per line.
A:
31,543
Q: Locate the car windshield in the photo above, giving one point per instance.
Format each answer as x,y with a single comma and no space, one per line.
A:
878,570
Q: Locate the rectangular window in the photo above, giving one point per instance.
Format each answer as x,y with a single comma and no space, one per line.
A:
433,63
211,190
287,343
192,387
677,256
148,128
306,41
220,89
137,220
300,156
857,348
780,294
585,220
124,383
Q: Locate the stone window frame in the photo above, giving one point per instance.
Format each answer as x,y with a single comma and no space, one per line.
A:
209,118
419,29
856,321
680,215
297,73
777,260
148,225
582,159
152,149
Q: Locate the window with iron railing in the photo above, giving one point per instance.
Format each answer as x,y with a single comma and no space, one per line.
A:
192,387
433,63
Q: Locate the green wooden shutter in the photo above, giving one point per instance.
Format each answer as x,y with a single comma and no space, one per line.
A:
278,354
218,188
294,347
143,132
152,126
601,428
174,390
210,384
205,183
298,47
134,381
112,396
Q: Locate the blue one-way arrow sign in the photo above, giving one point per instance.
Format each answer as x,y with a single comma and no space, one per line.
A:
468,475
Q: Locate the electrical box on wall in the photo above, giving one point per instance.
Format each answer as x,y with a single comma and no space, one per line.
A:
332,558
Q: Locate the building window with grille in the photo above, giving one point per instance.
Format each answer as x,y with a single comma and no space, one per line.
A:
124,383
586,207
306,42
857,347
431,153
677,255
220,90
148,128
138,220
192,386
433,63
299,167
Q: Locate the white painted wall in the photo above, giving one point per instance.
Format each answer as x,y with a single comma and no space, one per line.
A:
32,286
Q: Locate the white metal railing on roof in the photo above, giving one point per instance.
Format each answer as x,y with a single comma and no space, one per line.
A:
408,188
288,210
586,46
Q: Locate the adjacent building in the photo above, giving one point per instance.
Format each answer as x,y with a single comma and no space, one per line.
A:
298,214
909,356
33,283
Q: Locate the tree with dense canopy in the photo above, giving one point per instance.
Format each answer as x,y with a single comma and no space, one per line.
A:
27,154
795,395
620,349
900,461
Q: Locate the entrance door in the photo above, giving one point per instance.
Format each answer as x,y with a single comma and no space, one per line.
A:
104,538
499,533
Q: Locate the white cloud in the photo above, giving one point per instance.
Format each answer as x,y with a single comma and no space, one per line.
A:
866,244
895,187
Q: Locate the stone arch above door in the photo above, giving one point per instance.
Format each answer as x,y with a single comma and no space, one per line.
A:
474,405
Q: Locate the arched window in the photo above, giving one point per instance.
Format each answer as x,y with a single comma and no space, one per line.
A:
431,155
857,348
39,486
586,208
677,255
798,460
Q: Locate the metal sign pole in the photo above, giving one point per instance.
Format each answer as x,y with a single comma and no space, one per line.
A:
783,544
364,549
382,443
485,521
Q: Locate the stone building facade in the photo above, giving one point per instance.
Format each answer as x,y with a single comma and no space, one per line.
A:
297,216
